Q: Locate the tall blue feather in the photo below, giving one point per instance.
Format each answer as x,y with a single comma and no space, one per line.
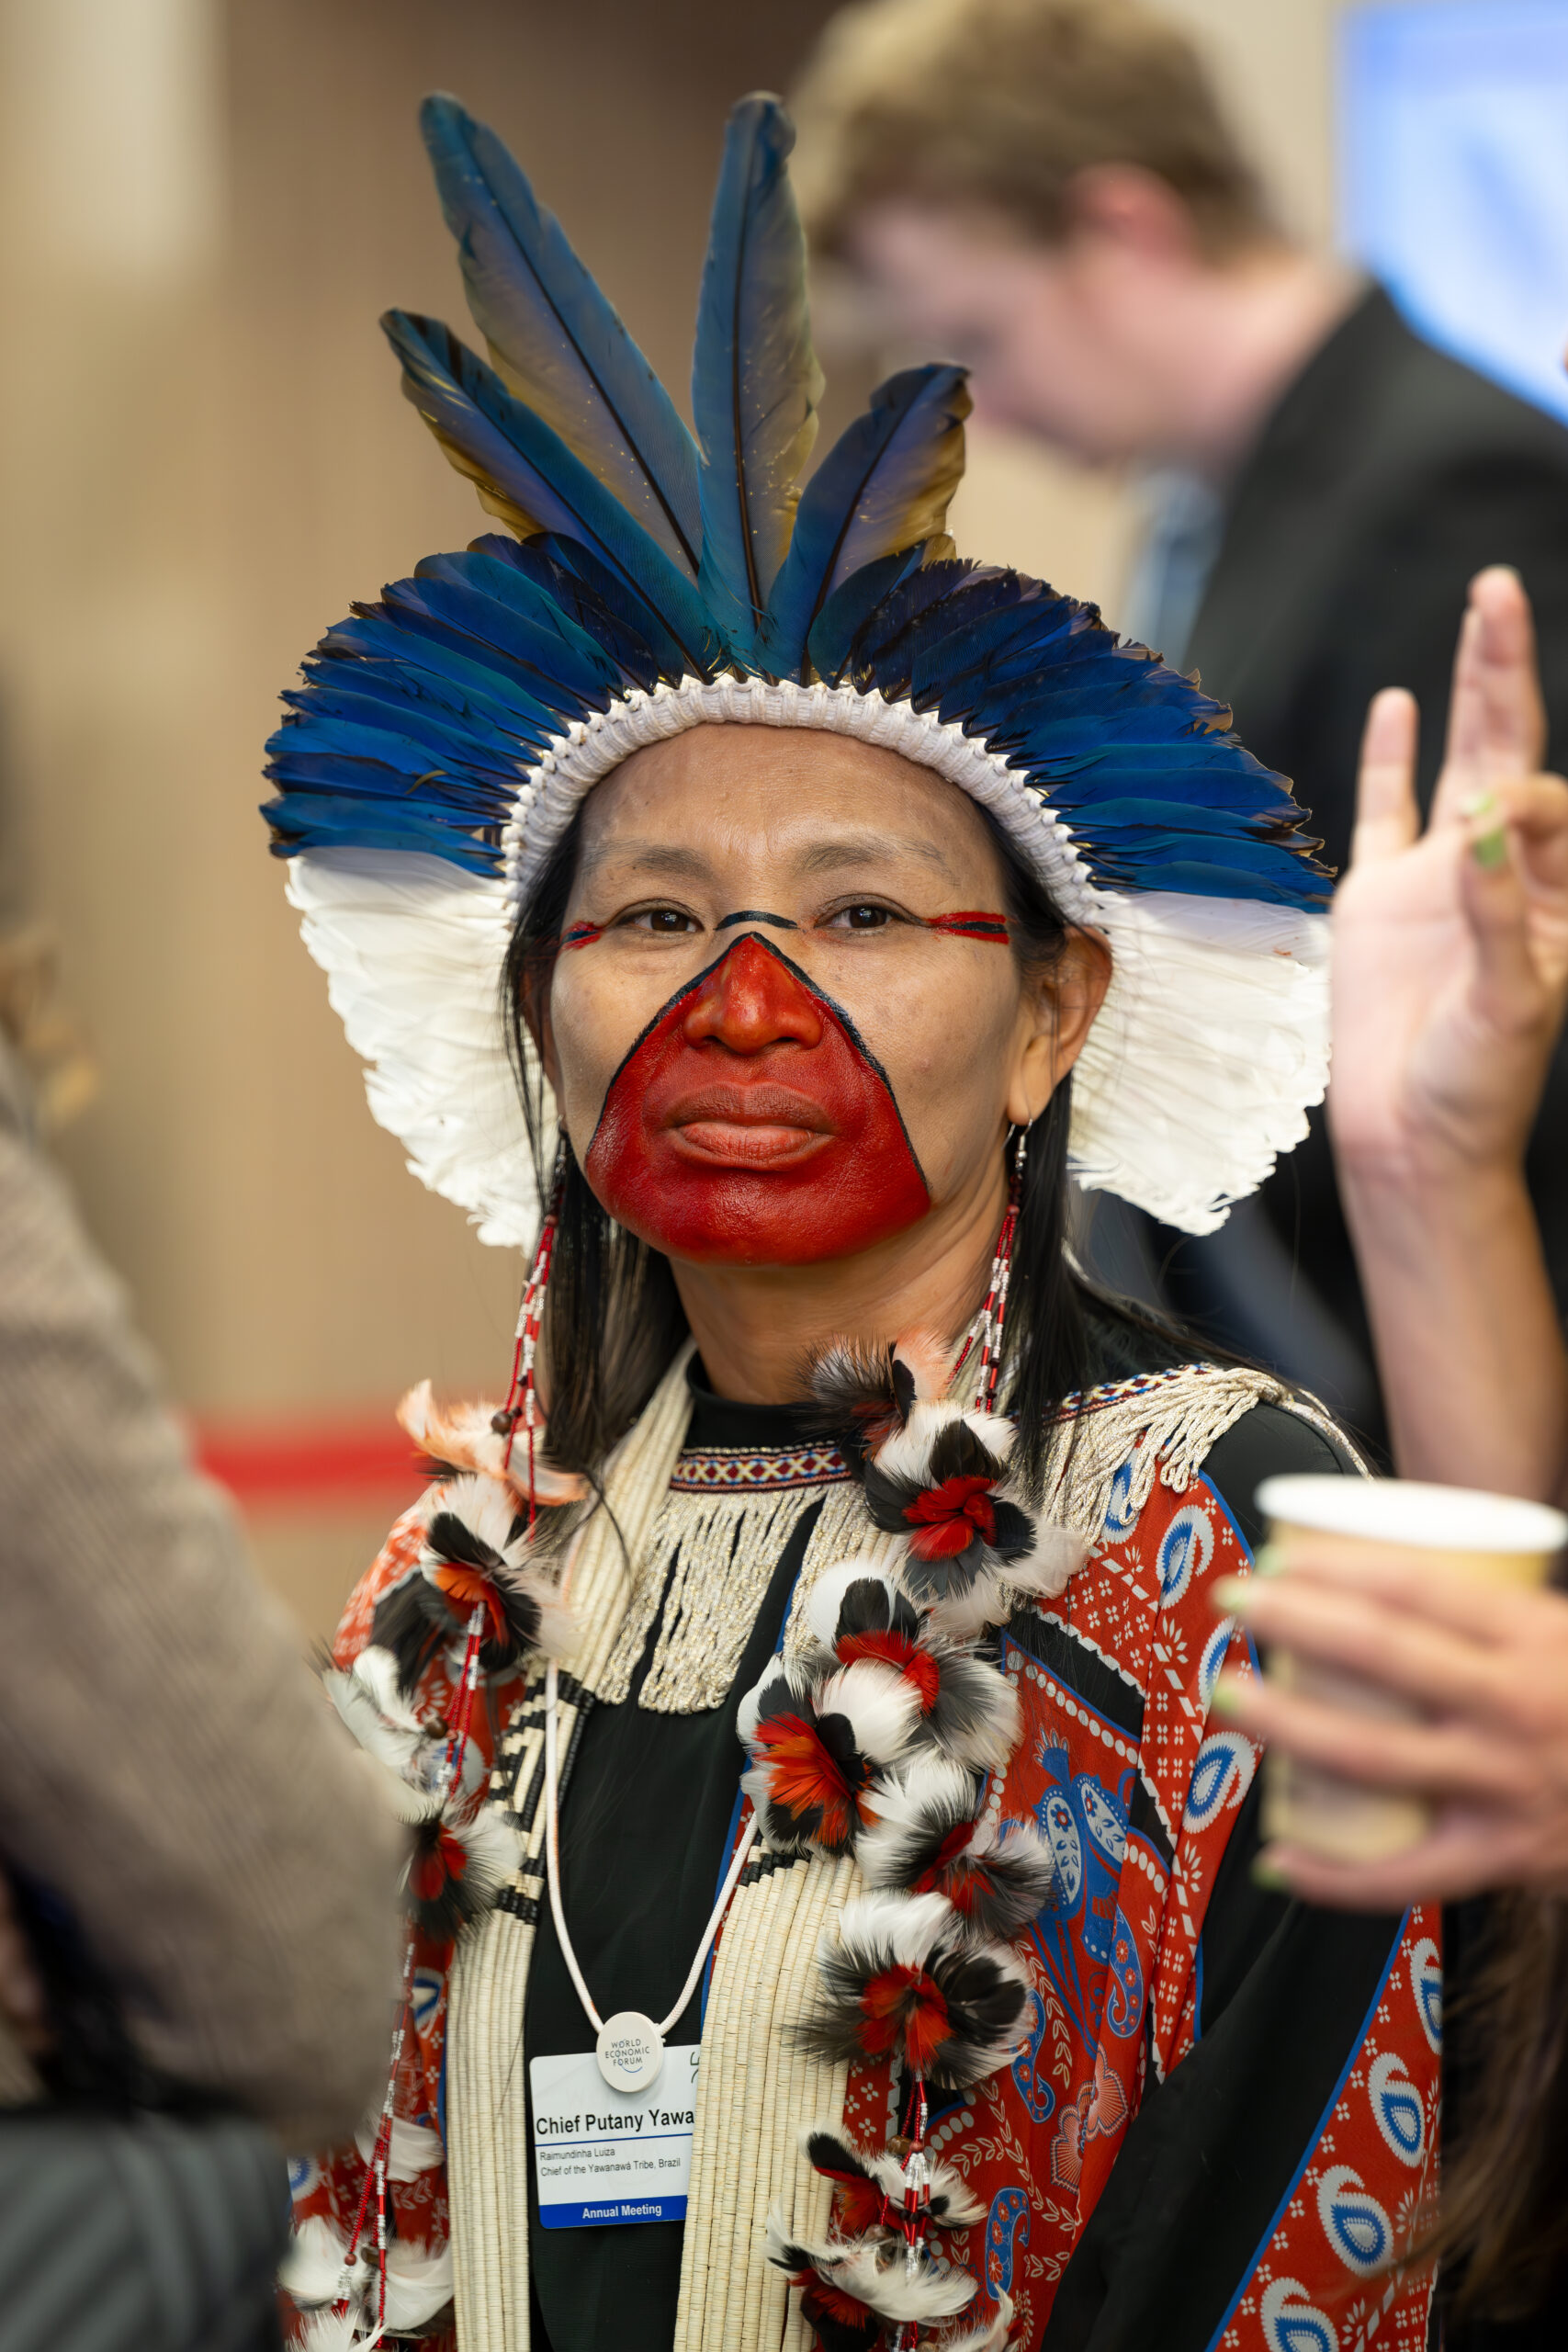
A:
556,341
884,485
526,473
755,381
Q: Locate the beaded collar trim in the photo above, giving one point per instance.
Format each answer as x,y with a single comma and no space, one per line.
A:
722,1469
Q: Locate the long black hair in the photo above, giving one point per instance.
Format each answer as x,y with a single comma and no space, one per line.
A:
612,1317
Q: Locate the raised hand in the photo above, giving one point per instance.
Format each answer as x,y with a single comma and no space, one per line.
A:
1451,946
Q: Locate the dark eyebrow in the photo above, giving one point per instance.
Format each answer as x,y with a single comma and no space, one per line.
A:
867,849
654,857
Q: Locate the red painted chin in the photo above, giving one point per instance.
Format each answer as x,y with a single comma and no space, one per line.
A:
750,1128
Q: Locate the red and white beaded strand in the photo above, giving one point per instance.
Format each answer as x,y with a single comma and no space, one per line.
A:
521,1399
988,1324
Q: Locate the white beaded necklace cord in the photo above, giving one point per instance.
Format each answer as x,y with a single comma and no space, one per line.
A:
629,2047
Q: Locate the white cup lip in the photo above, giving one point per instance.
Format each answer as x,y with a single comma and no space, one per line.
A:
1409,1511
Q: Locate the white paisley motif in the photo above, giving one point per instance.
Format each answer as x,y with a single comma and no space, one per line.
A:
1186,1548
1291,2324
1426,1985
1213,1657
1221,1777
1353,2222
1396,2108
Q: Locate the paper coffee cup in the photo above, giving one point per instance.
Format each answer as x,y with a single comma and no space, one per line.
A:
1450,1530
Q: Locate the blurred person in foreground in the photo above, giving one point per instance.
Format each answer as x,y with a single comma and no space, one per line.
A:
196,1879
1450,950
1049,191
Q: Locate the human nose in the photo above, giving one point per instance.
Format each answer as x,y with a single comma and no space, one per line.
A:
752,1001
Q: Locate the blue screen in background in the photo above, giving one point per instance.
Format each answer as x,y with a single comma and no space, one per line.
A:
1454,176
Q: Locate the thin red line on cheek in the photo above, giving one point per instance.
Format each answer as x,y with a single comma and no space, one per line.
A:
972,923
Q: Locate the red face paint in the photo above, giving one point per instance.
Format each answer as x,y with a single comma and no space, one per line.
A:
750,1126
974,923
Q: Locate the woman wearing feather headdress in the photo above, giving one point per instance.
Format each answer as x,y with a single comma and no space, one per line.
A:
830,1907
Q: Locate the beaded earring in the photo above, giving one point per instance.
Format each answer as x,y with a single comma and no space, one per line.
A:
522,1398
988,1324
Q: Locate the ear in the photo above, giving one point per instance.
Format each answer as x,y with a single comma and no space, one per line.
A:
1124,204
1061,1012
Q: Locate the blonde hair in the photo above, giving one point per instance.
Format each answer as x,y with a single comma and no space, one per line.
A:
1002,103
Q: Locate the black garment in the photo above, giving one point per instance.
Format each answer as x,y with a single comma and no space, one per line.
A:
646,1817
1387,475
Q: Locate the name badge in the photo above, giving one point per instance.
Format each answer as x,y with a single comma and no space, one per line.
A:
603,2155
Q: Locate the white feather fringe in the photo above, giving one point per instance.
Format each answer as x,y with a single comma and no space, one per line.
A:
419,2284
991,2337
879,2273
415,2148
313,2269
330,2331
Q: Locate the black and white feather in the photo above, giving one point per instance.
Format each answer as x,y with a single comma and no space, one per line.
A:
872,2179
924,1839
968,1710
816,1740
908,2287
902,1978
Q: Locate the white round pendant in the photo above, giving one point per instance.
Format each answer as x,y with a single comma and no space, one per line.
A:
630,2051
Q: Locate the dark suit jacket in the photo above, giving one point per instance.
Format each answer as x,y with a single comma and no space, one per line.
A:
1387,475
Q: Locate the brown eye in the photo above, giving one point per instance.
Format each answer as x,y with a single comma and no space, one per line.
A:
863,918
666,922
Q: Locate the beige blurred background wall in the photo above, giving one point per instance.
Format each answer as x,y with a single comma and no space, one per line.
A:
204,205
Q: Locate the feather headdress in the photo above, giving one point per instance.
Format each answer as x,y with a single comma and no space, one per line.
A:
654,581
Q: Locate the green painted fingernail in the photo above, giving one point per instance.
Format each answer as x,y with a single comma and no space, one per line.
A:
1229,1594
1227,1697
1268,1874
1270,1560
1491,849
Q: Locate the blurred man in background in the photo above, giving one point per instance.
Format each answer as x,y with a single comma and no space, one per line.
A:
1048,190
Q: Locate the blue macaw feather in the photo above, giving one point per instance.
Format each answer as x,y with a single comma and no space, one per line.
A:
557,342
364,786
504,607
847,610
435,609
1242,824
317,735
403,678
371,630
882,487
982,611
487,752
311,822
539,585
700,655
1260,860
524,471
755,381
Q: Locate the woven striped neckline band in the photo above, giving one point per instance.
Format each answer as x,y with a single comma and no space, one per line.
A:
734,1469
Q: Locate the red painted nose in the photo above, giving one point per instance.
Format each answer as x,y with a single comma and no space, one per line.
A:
749,1001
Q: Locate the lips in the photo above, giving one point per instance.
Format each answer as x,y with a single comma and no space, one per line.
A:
735,1125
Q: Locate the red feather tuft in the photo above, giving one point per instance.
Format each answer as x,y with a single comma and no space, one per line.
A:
904,2009
897,1649
950,1516
939,1877
802,1776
